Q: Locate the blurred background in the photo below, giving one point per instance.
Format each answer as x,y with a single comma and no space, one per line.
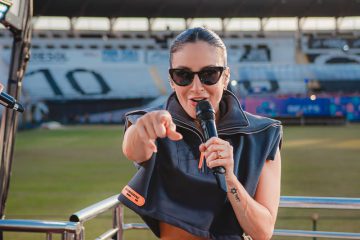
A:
92,61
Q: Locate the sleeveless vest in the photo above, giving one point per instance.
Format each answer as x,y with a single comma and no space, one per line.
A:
169,187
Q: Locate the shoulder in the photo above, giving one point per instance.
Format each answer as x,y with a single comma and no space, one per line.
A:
259,123
269,129
260,120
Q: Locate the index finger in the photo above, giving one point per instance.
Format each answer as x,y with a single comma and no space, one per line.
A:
165,118
202,147
170,126
172,133
213,140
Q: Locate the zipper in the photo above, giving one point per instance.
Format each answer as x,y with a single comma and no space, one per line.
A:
184,125
190,128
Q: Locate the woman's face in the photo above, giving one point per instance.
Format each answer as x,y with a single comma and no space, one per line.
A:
195,57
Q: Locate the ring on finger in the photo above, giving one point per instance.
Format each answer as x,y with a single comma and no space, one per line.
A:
219,155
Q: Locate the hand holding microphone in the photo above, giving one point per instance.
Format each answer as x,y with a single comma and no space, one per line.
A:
218,153
9,102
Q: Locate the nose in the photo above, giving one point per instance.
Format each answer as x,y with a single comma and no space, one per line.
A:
197,85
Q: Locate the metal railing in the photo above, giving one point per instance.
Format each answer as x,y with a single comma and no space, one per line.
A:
320,202
94,210
74,228
68,230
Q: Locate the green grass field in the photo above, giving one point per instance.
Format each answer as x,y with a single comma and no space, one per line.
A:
56,173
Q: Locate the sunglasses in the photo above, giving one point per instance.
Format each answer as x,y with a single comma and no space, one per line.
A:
207,75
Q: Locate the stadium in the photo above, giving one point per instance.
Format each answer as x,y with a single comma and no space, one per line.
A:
278,61
91,62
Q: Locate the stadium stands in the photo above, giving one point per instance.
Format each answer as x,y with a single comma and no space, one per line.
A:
94,71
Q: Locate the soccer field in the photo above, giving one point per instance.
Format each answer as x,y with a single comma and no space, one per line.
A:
56,173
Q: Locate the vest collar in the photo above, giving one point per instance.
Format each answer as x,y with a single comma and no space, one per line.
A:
231,114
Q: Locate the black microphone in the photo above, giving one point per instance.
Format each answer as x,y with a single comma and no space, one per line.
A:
206,115
10,102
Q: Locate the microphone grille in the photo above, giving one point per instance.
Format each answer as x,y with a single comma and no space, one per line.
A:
204,110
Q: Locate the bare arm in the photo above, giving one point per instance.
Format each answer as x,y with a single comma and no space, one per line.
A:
257,216
139,139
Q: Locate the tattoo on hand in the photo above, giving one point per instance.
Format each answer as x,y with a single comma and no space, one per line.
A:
234,192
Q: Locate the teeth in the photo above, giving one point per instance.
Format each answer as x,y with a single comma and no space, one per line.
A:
197,99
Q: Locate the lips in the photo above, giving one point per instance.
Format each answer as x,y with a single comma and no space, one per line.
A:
194,101
197,99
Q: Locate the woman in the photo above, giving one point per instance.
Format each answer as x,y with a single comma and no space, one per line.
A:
176,198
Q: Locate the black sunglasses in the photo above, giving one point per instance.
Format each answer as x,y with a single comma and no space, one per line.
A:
207,75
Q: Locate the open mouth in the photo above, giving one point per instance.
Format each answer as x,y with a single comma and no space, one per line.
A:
197,99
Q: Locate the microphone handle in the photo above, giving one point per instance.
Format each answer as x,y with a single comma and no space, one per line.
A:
7,100
209,129
10,102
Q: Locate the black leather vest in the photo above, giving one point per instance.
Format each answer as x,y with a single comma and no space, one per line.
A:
172,189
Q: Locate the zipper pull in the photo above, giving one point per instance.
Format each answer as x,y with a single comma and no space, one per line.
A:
201,162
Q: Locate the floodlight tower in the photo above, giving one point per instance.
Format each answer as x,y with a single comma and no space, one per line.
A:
15,15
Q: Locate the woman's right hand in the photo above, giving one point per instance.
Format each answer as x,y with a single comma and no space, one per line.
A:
1,87
139,139
156,124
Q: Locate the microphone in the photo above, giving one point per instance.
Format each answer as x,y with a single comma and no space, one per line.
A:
10,102
206,115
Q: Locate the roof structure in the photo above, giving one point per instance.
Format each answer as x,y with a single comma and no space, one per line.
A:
197,8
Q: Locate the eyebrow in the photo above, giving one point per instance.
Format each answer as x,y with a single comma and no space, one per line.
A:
187,68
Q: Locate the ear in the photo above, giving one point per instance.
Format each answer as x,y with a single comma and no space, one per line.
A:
227,77
172,85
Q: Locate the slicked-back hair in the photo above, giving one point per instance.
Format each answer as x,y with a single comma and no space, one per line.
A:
194,35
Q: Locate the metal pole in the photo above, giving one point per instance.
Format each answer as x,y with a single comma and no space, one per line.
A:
82,233
67,236
119,217
314,218
48,236
79,236
19,58
114,225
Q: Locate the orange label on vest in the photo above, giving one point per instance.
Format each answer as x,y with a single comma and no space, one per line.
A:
133,196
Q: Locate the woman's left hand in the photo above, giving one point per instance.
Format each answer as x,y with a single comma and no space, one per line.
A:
218,152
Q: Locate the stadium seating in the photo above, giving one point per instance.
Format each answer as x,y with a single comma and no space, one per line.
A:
126,67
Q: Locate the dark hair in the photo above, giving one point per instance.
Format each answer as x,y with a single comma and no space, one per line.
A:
193,35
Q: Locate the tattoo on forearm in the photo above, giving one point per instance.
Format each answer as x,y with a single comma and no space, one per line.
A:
234,192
